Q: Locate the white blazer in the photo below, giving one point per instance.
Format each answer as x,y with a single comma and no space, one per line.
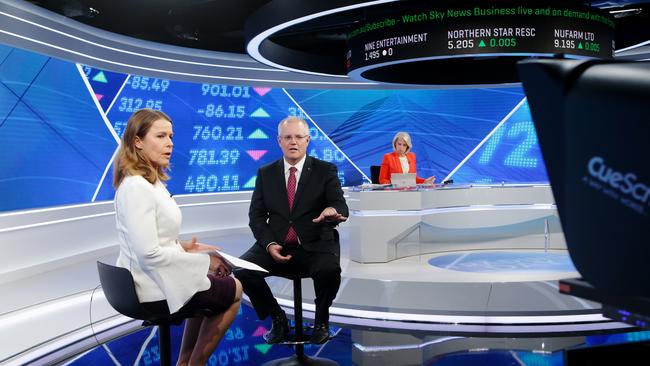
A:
148,222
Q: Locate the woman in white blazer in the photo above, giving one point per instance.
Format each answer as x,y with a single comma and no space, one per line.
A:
169,274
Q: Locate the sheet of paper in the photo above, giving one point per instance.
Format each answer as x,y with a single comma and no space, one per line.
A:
239,263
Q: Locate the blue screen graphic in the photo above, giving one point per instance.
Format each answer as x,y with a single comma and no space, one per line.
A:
510,154
60,125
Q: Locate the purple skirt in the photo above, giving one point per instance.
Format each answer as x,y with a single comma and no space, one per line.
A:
217,298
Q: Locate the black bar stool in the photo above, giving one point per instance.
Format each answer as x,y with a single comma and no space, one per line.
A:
298,338
119,289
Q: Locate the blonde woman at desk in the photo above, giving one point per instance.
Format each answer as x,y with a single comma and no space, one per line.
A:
401,160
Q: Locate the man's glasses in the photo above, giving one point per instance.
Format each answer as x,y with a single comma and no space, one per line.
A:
288,138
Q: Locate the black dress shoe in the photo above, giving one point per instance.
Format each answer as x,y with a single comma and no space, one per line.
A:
279,329
320,334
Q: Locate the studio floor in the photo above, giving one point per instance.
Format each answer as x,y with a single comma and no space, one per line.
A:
455,308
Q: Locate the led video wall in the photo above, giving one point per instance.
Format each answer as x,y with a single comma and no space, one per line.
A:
60,125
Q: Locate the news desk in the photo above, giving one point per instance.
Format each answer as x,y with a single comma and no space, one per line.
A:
388,224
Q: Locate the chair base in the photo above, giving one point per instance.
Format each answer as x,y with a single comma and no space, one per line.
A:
300,361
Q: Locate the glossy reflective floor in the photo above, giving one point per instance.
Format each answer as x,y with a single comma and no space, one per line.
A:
454,308
464,293
243,345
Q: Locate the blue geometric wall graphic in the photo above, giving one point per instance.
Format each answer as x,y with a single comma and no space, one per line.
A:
55,140
445,125
510,155
104,84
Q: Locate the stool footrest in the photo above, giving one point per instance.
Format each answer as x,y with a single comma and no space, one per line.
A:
292,339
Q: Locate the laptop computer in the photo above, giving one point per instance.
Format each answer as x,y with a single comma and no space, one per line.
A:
402,179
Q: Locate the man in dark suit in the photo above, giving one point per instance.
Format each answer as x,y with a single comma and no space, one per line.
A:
296,204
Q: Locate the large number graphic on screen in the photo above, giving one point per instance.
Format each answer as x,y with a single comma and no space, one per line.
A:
223,133
60,125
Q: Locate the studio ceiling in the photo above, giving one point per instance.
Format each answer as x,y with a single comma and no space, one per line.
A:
218,25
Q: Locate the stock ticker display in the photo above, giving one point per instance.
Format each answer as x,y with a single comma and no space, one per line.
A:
420,29
471,43
223,133
60,125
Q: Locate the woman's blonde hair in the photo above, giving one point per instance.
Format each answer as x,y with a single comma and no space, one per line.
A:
404,136
129,159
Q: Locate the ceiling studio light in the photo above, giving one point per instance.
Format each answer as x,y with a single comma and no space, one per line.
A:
625,12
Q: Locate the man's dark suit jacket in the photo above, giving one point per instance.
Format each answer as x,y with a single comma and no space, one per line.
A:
318,188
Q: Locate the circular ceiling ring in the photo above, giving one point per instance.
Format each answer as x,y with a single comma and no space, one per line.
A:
412,43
